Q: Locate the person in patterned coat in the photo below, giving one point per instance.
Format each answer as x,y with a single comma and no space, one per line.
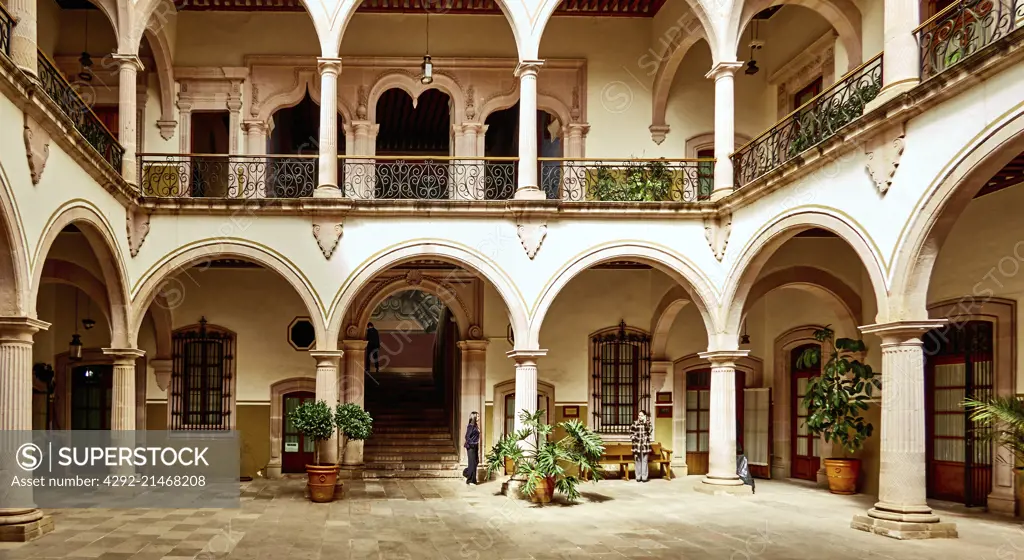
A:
642,431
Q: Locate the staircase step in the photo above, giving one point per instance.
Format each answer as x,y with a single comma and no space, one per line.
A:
406,437
405,446
410,457
411,430
411,465
445,473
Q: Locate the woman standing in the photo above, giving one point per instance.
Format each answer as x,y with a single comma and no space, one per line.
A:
472,446
642,430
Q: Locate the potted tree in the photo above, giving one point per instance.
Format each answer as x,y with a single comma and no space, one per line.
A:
353,424
835,401
1001,419
314,420
542,465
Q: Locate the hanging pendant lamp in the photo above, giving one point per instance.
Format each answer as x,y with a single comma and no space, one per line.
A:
75,346
427,68
85,60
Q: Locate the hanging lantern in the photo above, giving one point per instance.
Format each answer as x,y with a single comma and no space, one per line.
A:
427,67
85,61
75,348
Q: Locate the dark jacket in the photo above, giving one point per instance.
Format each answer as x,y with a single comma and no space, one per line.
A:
472,436
640,436
372,340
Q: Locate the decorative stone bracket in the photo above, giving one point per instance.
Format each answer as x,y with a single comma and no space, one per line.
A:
138,228
327,231
37,148
717,230
532,235
659,132
166,128
884,151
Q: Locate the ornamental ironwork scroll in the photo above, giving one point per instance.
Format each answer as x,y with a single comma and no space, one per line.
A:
429,178
182,176
627,180
964,28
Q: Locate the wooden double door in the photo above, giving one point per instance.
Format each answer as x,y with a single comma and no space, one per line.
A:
698,418
297,451
959,366
805,452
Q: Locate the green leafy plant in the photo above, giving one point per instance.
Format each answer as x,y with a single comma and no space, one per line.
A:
353,424
836,399
634,182
1007,415
539,458
313,419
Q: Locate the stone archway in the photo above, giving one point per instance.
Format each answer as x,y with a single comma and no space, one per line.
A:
277,392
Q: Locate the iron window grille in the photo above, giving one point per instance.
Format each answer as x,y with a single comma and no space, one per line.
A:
201,378
621,374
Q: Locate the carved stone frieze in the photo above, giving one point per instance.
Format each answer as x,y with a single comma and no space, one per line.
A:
716,231
327,232
883,152
532,236
37,148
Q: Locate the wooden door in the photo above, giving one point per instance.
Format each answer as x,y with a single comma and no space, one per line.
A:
91,395
296,450
805,452
109,115
959,458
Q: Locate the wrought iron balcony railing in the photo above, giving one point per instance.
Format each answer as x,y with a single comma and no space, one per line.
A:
810,124
627,180
964,28
6,27
85,121
224,176
428,178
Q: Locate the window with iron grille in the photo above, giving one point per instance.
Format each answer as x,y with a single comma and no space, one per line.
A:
201,377
621,372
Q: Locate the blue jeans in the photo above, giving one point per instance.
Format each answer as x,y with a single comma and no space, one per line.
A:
641,467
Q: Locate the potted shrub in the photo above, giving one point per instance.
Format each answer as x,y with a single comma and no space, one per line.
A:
540,465
834,402
314,420
353,424
1003,420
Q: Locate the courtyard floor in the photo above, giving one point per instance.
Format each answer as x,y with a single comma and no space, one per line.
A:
445,519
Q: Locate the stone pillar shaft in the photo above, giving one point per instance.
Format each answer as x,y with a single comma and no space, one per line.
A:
354,392
472,397
901,61
328,389
725,115
256,145
122,407
722,433
328,181
129,67
528,185
24,45
526,383
902,509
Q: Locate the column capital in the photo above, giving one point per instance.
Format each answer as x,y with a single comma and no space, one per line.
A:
903,331
20,328
526,356
723,358
328,65
130,61
124,356
353,345
528,68
254,126
327,357
472,345
723,69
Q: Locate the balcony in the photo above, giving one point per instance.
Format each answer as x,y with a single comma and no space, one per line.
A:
810,124
964,28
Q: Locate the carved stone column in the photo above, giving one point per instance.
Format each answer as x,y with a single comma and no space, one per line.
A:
469,176
18,523
359,173
328,389
24,45
528,187
901,63
902,510
472,392
354,392
129,68
526,382
185,145
256,145
328,180
722,477
725,125
660,371
122,407
679,423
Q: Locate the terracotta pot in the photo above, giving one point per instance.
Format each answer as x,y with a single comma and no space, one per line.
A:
322,479
842,475
510,466
544,492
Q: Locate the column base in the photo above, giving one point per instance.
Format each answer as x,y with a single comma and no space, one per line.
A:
273,471
530,193
903,530
24,526
327,191
350,472
722,487
1002,504
719,194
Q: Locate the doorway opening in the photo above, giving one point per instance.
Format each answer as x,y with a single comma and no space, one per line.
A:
805,451
91,397
297,451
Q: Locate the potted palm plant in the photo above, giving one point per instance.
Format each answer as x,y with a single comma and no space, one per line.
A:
543,466
314,420
353,424
1001,419
835,401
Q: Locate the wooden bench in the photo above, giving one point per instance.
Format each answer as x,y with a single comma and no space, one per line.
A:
662,458
622,455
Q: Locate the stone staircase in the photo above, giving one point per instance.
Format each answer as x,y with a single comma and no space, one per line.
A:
411,434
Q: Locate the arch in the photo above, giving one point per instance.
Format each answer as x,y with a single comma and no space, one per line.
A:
845,299
676,266
407,82
159,279
306,81
668,66
159,45
766,241
664,316
100,236
160,313
463,256
277,392
935,214
508,99
842,15
463,317
57,271
14,267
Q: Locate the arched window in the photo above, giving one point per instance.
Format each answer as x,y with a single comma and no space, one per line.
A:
202,378
621,378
